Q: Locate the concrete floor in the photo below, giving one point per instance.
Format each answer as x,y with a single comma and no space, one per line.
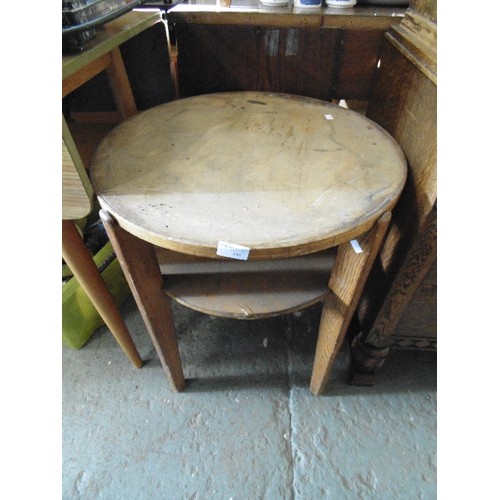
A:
247,426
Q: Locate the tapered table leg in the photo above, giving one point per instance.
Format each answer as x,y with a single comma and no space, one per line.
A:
348,278
140,266
81,263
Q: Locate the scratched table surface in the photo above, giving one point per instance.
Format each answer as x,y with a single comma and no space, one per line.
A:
281,175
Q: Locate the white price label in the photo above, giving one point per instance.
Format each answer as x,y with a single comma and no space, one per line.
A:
356,246
232,251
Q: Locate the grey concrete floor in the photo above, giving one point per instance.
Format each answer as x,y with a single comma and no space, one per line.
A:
247,426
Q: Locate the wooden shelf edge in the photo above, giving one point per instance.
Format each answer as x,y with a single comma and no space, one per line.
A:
247,289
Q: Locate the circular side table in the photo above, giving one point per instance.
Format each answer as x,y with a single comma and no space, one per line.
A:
252,204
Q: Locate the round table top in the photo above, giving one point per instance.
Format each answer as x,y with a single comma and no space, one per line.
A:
280,175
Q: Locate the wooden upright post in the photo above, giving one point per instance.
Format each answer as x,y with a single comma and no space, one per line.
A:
347,280
140,266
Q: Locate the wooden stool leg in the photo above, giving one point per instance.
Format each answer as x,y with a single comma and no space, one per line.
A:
81,263
349,275
140,266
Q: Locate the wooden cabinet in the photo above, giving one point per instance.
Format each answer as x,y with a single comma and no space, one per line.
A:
399,303
214,58
322,54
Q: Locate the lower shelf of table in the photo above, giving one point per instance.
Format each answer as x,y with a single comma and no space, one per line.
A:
246,289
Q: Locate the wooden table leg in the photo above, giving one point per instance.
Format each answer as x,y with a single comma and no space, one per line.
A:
120,85
349,275
140,266
81,263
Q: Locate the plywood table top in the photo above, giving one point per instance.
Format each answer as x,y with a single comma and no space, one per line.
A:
281,175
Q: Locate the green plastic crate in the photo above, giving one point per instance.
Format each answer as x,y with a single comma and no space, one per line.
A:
80,318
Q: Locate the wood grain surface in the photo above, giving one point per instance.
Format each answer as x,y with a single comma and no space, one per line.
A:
282,175
77,191
247,290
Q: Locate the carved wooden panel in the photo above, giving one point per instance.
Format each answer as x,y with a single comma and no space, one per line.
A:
417,327
399,302
404,103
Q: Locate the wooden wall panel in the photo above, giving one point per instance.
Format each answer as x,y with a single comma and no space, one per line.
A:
357,57
216,58
306,62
